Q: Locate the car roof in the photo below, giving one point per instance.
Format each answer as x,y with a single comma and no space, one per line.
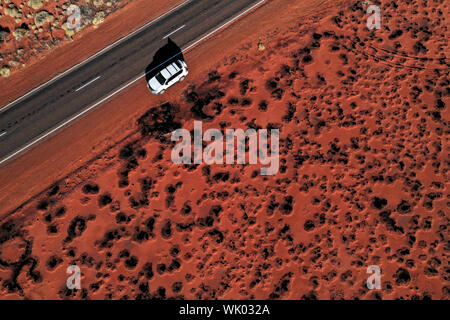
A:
171,69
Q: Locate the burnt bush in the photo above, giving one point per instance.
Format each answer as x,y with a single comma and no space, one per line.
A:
159,121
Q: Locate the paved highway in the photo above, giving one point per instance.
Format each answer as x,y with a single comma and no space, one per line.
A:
52,106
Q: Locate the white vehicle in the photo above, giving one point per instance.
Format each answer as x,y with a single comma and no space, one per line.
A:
168,76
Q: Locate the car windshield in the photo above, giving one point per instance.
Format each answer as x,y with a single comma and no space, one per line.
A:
160,78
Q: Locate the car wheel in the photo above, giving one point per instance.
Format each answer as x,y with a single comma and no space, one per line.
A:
182,78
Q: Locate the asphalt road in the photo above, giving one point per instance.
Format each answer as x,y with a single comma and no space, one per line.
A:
32,118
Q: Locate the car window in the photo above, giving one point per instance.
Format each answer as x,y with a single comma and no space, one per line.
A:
175,75
160,78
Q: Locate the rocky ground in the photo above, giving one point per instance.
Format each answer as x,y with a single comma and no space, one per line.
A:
33,27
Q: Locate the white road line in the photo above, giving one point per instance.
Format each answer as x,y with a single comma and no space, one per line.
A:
43,136
174,31
9,105
2,134
84,86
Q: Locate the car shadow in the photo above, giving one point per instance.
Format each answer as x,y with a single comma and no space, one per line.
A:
163,57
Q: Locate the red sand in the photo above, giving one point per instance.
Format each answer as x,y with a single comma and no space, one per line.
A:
363,173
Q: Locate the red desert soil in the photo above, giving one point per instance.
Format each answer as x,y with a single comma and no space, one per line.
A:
363,174
48,54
